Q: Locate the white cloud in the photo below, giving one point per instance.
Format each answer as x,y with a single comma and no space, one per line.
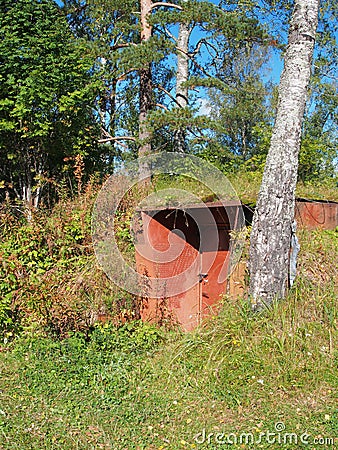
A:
204,107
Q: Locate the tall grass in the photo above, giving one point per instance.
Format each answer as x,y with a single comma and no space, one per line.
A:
139,388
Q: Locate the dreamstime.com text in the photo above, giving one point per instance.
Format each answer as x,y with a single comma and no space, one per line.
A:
278,436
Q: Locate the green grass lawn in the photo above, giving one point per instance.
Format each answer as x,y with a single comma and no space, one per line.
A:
142,388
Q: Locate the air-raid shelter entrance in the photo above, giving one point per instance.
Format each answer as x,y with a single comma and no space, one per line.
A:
188,254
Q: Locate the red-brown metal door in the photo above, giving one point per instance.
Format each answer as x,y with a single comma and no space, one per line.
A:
167,255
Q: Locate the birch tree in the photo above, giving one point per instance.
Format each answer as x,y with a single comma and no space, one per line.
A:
274,214
182,75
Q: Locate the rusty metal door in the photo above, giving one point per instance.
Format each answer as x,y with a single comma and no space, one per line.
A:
171,253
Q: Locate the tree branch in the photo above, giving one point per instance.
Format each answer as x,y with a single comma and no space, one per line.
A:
161,88
129,44
116,138
197,47
170,34
190,56
123,76
169,5
326,74
161,106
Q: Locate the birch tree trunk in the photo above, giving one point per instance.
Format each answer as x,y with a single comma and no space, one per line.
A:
274,214
181,78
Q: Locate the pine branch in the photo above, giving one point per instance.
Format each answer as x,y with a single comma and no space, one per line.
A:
128,44
116,138
123,76
169,5
161,106
108,138
161,88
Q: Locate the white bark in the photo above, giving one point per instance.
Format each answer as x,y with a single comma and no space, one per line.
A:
182,65
272,223
182,74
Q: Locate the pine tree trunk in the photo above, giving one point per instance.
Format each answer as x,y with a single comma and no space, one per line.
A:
145,107
181,78
145,93
274,215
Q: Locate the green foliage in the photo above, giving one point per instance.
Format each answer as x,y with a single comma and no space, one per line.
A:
71,73
132,337
24,257
134,386
45,92
48,274
315,160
